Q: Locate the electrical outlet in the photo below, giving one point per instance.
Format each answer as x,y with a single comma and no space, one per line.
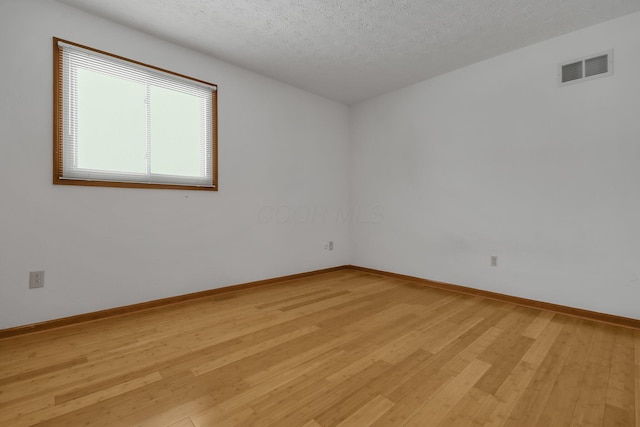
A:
331,245
36,279
494,261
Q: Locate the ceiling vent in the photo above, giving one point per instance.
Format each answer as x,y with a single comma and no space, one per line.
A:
587,68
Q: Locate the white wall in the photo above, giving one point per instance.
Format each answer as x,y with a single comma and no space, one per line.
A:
101,247
496,159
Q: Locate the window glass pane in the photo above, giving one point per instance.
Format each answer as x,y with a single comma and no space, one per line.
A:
175,133
111,123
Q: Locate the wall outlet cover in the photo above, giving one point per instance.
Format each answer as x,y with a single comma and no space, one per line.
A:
36,279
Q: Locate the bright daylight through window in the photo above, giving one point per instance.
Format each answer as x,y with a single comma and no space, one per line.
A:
122,123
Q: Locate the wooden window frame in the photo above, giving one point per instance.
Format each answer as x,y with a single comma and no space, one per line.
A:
58,127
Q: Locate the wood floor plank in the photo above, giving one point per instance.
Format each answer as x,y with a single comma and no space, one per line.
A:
502,358
560,406
46,414
617,417
251,351
300,373
442,402
337,349
637,377
26,375
302,296
215,418
590,407
473,409
185,422
330,410
171,414
314,300
383,383
539,324
531,405
368,413
509,394
620,393
413,391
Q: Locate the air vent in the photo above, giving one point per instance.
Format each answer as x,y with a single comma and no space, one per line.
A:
587,68
571,72
597,65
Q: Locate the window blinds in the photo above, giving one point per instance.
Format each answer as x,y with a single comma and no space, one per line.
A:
126,122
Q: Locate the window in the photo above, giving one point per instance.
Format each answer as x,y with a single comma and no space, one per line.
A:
121,123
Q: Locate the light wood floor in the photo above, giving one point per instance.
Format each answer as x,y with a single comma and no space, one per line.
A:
343,348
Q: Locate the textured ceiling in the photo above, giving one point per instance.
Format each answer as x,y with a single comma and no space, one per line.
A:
350,50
